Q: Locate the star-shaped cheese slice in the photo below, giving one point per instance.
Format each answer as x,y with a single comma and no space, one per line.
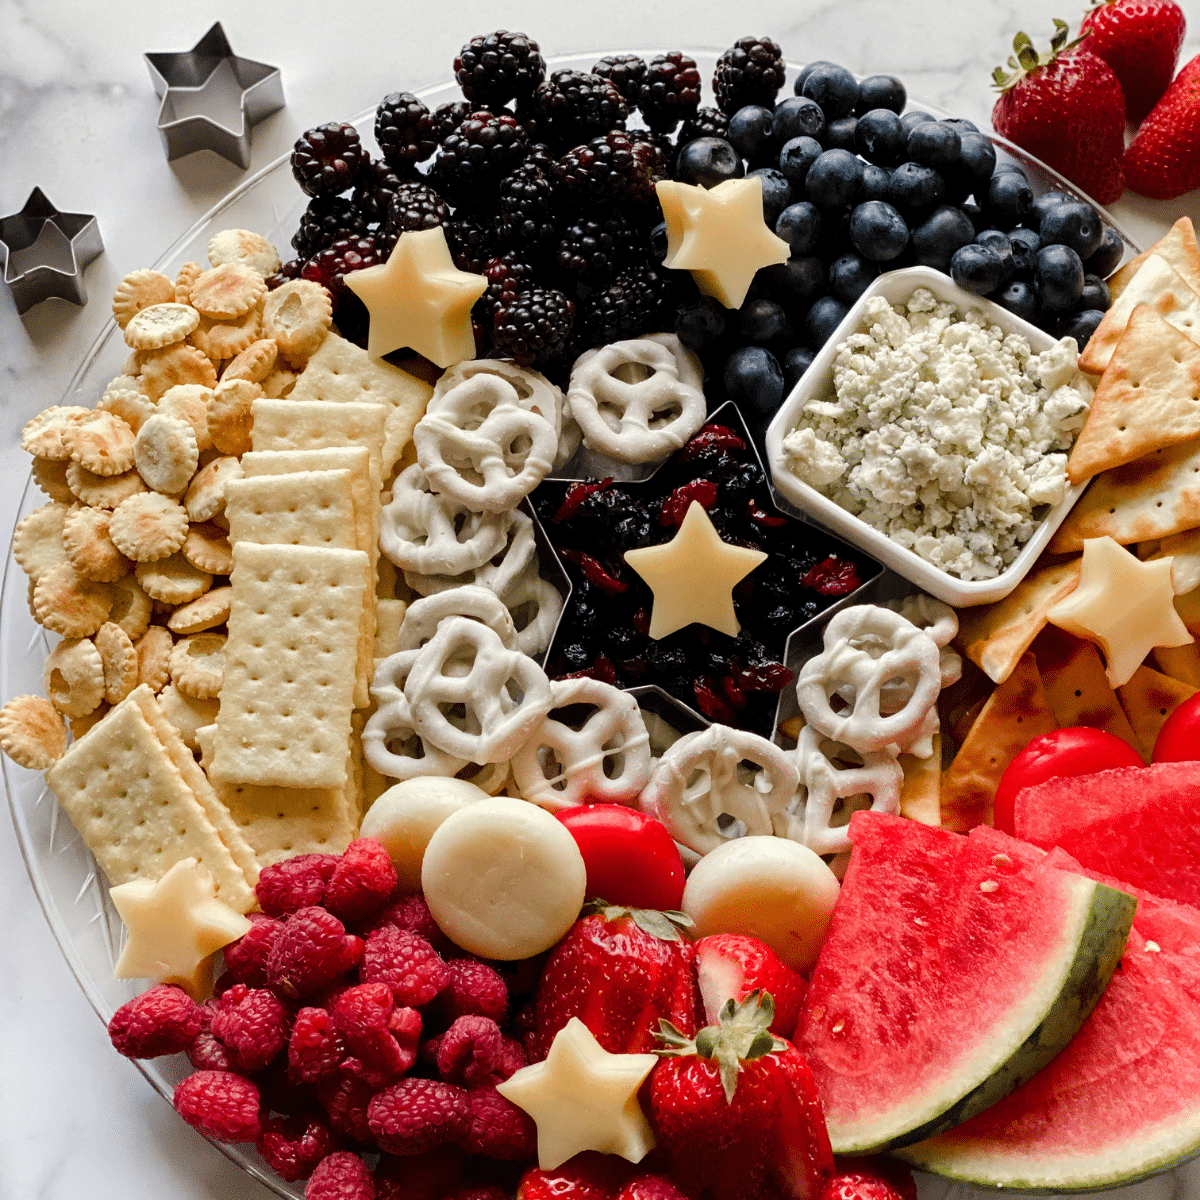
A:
693,576
583,1098
719,234
419,299
173,927
1123,605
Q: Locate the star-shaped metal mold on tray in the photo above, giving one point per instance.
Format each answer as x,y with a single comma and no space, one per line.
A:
46,251
211,97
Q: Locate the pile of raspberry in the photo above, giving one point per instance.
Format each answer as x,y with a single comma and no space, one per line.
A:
350,1041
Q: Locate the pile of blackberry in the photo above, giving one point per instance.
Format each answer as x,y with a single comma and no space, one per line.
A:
603,631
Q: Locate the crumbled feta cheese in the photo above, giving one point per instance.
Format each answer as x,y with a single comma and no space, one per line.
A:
943,432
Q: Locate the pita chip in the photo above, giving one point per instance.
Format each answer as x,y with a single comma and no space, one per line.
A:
1178,246
1179,662
1183,549
1148,699
921,791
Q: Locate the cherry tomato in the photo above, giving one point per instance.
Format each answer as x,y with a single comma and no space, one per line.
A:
1079,750
1179,738
630,857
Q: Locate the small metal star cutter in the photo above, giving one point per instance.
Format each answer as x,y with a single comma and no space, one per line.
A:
211,97
45,252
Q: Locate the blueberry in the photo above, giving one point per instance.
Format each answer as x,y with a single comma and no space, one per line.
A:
839,134
878,231
701,322
800,226
752,134
1042,205
1008,199
799,280
977,269
974,214
1095,293
916,117
1021,300
754,379
936,240
822,319
797,117
1104,261
993,239
876,183
796,157
915,187
933,144
1025,245
834,179
807,70
961,124
834,88
795,362
1081,325
881,91
977,159
763,323
850,276
1073,223
1058,278
658,241
776,192
708,161
879,137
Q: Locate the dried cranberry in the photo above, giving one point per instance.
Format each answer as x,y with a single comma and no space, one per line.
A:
768,520
595,572
768,677
710,703
577,494
714,437
832,576
675,506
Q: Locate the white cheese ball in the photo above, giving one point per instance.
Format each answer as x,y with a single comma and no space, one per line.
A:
406,815
769,888
503,878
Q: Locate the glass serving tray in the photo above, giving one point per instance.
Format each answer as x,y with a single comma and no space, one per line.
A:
61,869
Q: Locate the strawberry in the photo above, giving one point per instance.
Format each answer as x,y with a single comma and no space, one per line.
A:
619,970
1066,107
1163,161
869,1179
587,1176
729,966
736,1109
1140,40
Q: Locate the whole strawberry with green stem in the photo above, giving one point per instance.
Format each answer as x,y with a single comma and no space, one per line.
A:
1066,107
1140,40
1163,161
736,1111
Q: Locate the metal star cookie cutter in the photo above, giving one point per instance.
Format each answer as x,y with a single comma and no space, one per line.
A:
46,251
199,110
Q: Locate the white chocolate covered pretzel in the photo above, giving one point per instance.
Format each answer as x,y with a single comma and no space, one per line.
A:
938,620
535,605
422,617
535,393
512,561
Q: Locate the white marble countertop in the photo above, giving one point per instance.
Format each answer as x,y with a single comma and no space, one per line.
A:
77,118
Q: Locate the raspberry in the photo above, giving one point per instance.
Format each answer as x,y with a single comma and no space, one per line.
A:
345,1099
751,71
407,963
328,159
246,959
221,1105
253,1024
162,1020
478,1191
316,1048
207,1053
497,1127
533,327
651,1187
410,913
427,1176
361,882
311,950
404,130
341,1175
293,1146
475,989
417,1114
470,1052
382,1038
294,883
500,67
670,91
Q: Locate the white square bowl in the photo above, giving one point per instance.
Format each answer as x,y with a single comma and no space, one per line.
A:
896,287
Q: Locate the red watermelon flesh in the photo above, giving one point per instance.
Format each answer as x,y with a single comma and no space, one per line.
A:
1122,1101
1137,824
950,974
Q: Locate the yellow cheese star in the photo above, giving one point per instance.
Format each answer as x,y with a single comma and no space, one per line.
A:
693,576
173,927
420,300
1123,605
583,1098
719,234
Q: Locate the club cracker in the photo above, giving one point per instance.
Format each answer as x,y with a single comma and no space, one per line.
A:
1178,246
316,424
1148,699
1013,716
1183,549
306,508
294,628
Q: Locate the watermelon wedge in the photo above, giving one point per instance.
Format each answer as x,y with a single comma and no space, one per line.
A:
1137,824
951,974
1122,1101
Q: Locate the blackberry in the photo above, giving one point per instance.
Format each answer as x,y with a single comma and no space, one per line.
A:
287,271
751,71
448,117
414,206
631,305
330,267
327,160
472,242
670,92
478,154
592,248
526,212
573,106
704,122
533,326
404,130
499,67
626,71
542,157
615,168
324,221
376,187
